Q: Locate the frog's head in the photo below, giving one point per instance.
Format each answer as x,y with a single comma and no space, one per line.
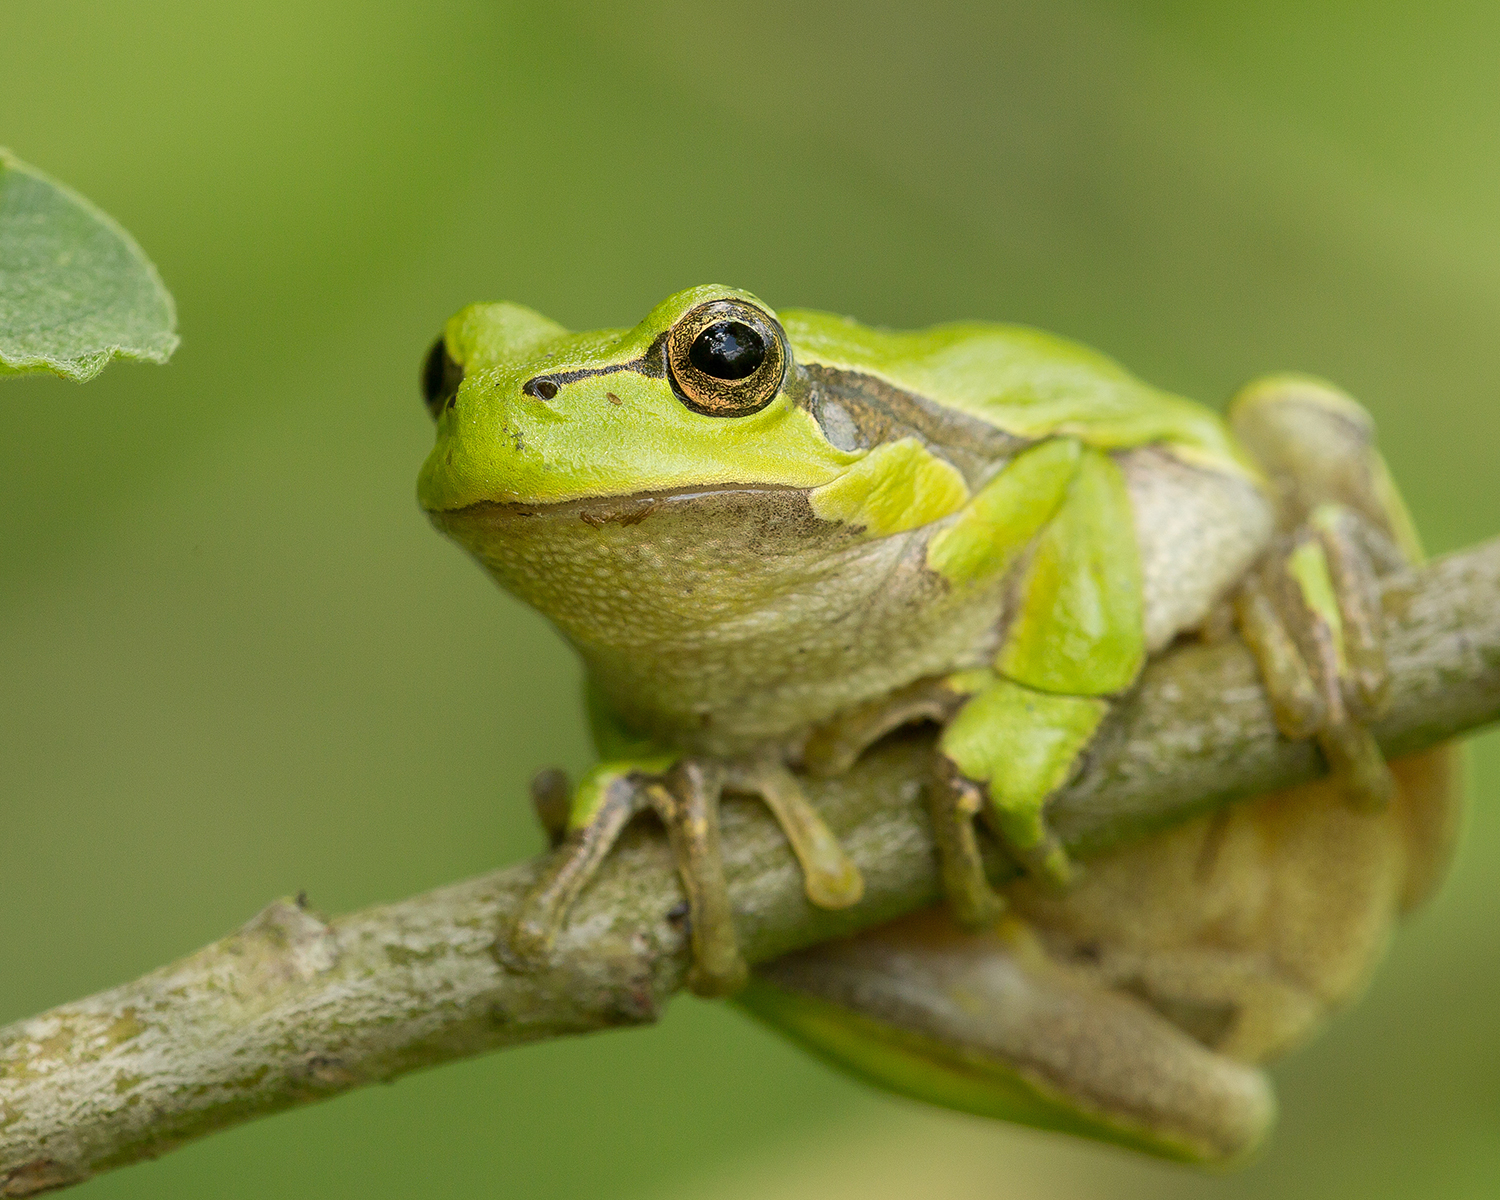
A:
703,392
680,496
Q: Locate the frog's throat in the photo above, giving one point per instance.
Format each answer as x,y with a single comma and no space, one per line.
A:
716,619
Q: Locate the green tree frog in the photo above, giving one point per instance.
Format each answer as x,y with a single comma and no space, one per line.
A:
775,538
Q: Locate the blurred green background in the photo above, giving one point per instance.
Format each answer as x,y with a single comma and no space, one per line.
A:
238,662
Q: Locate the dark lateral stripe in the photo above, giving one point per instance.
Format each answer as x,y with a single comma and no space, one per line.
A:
652,364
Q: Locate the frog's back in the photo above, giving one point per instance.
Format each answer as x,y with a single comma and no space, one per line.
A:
1020,380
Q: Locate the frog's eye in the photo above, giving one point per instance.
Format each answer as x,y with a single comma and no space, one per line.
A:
440,378
726,358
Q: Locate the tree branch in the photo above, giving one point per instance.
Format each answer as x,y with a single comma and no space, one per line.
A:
294,1008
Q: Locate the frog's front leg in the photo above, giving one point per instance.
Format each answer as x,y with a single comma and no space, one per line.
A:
953,800
684,793
1004,749
1311,611
1073,635
1002,758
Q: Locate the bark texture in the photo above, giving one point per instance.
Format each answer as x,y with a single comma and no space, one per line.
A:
294,1007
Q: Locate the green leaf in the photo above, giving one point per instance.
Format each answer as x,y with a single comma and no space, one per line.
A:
75,289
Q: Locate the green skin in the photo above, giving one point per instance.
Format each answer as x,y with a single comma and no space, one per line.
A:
980,523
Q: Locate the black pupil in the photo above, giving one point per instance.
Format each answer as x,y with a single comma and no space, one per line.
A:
728,350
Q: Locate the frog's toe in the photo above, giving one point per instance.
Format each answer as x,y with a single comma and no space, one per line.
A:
527,944
715,976
1357,762
686,799
830,877
954,802
1296,700
552,799
1043,856
1054,864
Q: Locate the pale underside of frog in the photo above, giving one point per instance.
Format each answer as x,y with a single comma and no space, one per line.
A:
776,539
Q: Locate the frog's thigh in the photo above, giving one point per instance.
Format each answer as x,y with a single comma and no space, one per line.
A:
1248,926
1430,796
986,1023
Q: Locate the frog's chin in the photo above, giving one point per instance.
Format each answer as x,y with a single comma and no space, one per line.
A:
717,618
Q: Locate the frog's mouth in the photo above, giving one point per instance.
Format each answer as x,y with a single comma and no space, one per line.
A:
728,533
776,501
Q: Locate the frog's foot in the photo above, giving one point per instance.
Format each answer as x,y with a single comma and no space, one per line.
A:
1311,610
686,799
1310,615
954,802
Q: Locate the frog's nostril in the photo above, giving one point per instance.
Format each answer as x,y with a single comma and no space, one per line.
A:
542,389
441,376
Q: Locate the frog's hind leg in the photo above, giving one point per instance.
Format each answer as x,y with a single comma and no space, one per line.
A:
986,1022
1311,611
